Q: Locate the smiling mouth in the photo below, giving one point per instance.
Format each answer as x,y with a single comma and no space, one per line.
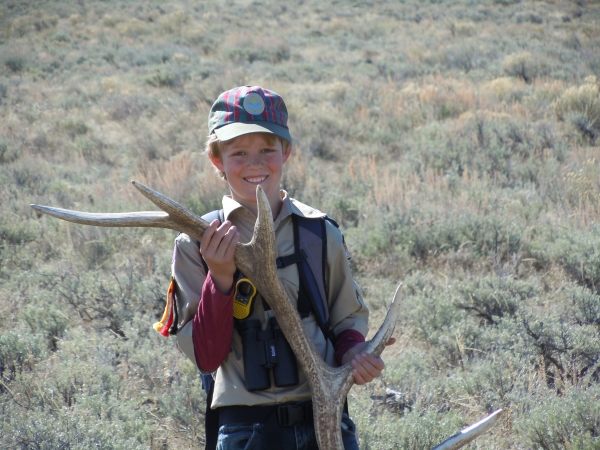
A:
256,179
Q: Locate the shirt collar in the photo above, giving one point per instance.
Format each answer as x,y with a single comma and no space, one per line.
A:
290,206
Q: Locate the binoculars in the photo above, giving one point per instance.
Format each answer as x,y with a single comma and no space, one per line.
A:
265,352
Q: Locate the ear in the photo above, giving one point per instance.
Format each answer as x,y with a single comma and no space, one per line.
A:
217,162
287,152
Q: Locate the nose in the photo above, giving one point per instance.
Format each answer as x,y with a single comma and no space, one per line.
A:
256,160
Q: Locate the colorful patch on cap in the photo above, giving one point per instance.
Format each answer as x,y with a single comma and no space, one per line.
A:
254,104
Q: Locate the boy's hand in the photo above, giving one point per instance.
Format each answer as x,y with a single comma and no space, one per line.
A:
366,367
217,247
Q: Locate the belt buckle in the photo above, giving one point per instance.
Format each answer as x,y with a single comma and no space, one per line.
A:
289,415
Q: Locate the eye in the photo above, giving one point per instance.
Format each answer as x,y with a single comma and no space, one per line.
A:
268,150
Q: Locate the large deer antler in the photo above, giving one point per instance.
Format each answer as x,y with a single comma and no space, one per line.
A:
256,259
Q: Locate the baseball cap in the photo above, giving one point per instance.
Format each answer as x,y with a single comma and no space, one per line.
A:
248,109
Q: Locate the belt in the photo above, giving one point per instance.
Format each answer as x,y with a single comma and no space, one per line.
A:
288,414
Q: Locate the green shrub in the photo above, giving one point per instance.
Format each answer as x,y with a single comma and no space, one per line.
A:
102,302
522,65
7,152
136,56
529,17
200,204
72,428
94,248
164,79
19,351
44,22
60,36
92,149
185,399
15,64
3,92
417,430
558,422
463,57
581,106
425,236
121,107
493,298
431,316
243,48
46,320
507,150
16,232
110,21
75,128
586,305
496,382
577,251
567,352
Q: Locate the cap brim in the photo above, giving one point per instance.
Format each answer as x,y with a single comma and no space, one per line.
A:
237,129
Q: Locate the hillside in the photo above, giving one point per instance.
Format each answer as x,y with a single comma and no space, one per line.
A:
456,142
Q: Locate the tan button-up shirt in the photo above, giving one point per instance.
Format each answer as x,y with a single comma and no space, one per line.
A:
346,307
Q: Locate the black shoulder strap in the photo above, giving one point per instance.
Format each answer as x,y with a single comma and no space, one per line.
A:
310,256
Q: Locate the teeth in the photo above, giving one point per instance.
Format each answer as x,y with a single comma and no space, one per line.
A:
256,180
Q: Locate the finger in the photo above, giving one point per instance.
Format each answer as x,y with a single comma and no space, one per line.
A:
365,370
223,249
376,362
235,239
370,366
392,341
207,236
358,379
216,238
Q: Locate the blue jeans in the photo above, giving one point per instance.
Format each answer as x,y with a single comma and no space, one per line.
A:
297,437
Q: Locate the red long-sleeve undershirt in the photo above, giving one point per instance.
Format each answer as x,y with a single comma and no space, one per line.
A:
212,328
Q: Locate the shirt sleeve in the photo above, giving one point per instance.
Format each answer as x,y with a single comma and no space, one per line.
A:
198,301
189,274
345,341
347,309
212,327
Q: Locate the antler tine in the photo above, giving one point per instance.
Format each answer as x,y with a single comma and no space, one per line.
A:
174,216
171,207
263,239
128,219
470,433
384,333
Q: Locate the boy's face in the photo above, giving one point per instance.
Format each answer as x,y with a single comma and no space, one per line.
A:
249,161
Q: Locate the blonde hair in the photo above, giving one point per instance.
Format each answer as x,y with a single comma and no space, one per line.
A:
214,146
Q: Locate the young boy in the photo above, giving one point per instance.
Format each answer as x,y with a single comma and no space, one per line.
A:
248,143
